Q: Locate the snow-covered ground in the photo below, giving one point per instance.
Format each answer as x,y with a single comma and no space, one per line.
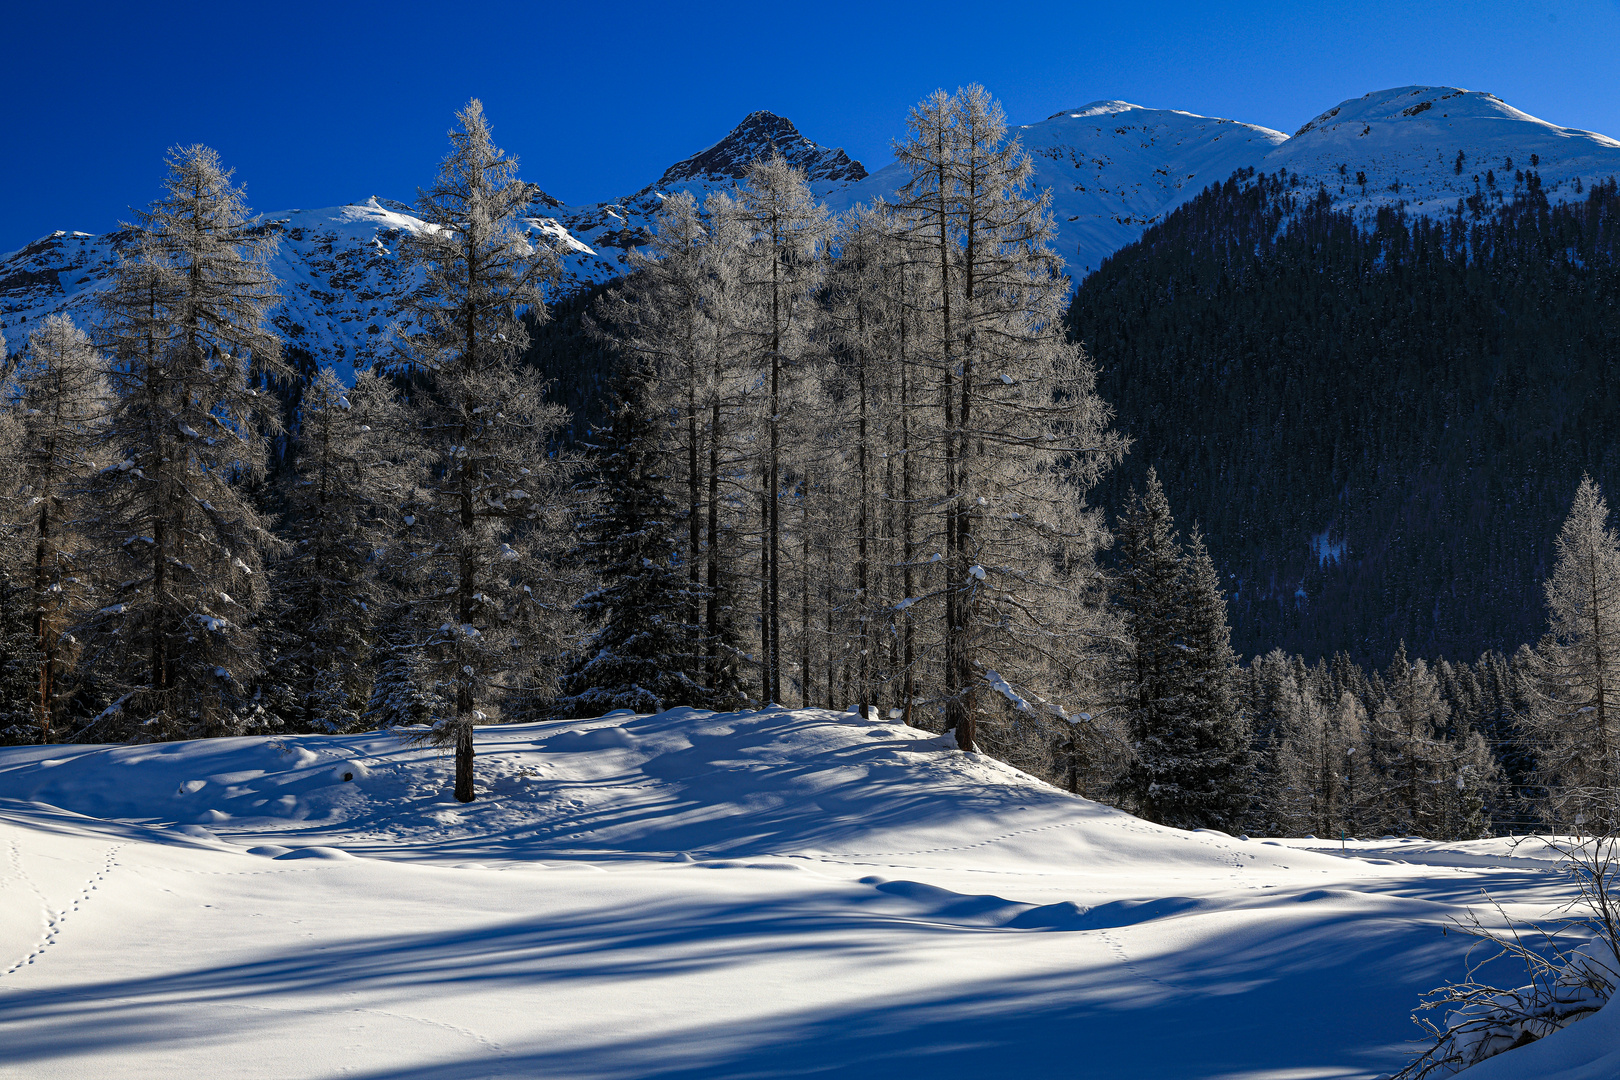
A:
780,893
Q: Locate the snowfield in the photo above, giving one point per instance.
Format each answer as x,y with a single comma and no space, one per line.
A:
776,893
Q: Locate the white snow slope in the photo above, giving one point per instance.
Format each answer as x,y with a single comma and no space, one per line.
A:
1113,169
779,893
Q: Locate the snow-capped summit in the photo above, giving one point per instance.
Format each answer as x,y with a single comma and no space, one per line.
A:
1423,148
1114,169
760,133
1096,108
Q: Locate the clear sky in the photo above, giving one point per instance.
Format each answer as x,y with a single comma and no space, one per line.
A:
317,104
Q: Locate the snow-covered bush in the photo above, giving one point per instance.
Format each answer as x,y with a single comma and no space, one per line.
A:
1573,969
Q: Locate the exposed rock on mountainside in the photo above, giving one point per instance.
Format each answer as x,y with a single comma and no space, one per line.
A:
754,138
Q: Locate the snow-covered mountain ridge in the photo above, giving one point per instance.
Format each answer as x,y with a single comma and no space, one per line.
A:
1113,168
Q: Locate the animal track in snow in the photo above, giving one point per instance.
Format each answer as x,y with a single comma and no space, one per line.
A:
54,919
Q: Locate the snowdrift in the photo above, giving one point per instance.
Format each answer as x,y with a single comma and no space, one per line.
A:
776,893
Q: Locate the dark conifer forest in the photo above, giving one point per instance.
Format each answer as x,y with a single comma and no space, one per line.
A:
1380,424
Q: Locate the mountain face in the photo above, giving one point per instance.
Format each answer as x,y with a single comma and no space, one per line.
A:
1114,170
755,138
1422,149
343,284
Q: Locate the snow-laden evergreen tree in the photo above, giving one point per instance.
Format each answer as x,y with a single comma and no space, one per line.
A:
1022,435
1575,716
402,695
338,514
486,516
1217,737
188,336
1190,745
784,231
641,655
61,400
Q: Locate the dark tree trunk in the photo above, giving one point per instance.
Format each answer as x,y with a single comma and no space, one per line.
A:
464,762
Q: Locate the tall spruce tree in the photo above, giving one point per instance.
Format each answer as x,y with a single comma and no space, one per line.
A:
188,334
1218,739
1190,762
483,521
1148,594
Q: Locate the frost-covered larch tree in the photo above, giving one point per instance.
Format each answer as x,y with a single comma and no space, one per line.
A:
673,322
861,318
1320,762
1022,433
487,509
1406,732
187,333
1575,716
61,398
339,510
784,232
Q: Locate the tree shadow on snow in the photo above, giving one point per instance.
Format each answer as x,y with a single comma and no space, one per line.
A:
1287,988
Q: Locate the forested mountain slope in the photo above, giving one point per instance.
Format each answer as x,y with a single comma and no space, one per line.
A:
1379,429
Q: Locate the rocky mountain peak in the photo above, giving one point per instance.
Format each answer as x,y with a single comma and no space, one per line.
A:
759,133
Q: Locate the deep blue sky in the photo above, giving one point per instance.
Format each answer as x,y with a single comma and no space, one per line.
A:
316,104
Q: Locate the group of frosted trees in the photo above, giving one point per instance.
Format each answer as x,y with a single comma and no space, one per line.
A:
846,465
1282,747
860,453
1454,750
400,569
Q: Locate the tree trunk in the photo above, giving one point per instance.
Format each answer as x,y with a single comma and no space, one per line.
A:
773,486
863,691
712,616
464,761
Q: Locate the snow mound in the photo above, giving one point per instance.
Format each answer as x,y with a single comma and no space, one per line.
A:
777,782
690,894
